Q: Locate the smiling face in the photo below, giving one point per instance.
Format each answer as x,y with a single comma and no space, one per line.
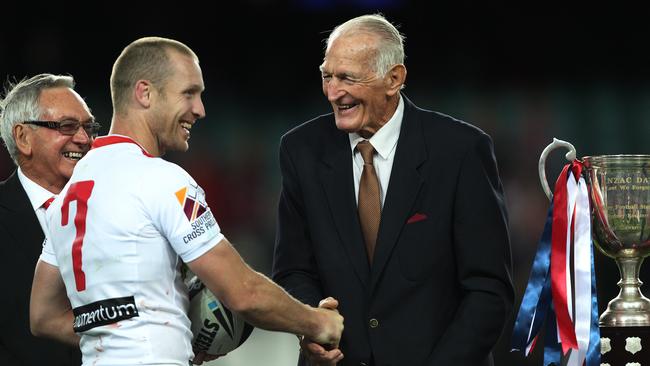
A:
178,104
362,100
47,156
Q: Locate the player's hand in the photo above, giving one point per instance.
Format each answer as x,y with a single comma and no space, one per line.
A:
323,349
201,357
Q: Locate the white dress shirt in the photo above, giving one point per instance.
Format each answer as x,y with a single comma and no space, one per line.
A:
385,142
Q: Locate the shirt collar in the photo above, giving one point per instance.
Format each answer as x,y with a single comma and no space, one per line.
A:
37,195
385,139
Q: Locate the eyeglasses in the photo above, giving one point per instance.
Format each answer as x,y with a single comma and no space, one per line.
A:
69,127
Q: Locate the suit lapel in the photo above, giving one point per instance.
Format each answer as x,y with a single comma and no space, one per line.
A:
18,218
337,181
403,188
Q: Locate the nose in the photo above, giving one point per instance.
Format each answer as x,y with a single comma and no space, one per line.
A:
198,109
81,137
333,89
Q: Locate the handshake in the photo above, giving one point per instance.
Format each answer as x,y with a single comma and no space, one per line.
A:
323,350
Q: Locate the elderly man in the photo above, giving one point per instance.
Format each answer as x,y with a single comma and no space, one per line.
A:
40,124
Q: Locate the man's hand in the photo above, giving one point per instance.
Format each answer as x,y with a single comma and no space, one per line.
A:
201,357
324,350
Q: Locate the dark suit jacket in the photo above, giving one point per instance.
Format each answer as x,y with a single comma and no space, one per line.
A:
439,290
21,241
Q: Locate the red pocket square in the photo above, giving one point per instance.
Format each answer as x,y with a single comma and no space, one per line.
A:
417,217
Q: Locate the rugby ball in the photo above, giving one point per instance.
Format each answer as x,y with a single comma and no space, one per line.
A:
215,329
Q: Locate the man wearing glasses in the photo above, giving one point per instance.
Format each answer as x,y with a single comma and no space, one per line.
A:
40,120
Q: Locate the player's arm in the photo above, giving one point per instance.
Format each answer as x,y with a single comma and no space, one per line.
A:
259,300
50,313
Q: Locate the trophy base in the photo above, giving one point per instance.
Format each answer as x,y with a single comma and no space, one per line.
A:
621,346
626,313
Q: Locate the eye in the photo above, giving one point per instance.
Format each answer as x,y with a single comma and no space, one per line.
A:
68,126
326,77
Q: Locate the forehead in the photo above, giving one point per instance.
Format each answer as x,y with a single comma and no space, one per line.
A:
187,71
354,50
63,102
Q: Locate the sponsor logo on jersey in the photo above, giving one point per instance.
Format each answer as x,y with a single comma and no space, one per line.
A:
200,226
103,312
192,200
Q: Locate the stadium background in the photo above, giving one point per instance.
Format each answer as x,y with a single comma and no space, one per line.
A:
523,75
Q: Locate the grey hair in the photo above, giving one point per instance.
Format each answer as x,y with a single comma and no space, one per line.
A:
21,103
390,50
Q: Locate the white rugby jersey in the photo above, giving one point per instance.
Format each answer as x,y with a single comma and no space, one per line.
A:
116,233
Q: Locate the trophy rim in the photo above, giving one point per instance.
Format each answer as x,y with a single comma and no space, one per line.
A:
617,160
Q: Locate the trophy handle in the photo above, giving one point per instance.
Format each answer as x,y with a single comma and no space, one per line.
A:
541,167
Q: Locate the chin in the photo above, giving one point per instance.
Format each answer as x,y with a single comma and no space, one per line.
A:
346,125
183,147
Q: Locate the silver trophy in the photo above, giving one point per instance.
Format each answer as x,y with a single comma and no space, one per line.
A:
619,192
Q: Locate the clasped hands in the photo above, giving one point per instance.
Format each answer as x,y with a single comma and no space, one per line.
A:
318,354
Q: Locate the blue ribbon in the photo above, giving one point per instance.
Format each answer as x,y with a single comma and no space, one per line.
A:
552,347
537,298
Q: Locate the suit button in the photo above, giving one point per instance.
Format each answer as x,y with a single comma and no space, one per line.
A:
374,323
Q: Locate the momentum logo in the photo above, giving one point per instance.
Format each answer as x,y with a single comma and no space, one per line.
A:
104,312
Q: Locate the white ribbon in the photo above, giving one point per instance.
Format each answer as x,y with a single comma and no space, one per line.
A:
578,200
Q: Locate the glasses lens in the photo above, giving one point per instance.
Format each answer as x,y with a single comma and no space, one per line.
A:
71,127
92,129
68,127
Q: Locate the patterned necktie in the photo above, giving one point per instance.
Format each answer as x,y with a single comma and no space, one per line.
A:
47,203
369,204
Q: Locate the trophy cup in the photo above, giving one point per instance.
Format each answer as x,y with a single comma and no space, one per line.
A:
619,192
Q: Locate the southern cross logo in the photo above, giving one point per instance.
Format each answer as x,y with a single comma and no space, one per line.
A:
190,203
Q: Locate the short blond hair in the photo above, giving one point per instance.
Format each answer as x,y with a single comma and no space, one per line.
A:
144,59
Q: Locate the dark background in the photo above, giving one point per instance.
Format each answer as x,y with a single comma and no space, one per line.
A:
522,74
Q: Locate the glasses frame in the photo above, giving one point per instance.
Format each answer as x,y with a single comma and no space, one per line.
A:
91,128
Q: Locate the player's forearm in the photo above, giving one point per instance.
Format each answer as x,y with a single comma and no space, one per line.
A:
266,305
50,312
55,327
258,299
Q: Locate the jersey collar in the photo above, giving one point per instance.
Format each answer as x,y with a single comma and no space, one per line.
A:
116,139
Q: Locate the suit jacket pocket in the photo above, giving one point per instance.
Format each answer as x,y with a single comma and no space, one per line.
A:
416,250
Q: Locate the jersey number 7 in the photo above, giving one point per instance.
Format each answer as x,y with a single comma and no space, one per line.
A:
80,192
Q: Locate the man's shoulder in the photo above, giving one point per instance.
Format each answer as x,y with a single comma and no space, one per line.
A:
160,173
313,128
131,161
130,171
441,127
9,188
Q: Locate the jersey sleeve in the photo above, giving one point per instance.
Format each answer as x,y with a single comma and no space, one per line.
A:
47,254
178,209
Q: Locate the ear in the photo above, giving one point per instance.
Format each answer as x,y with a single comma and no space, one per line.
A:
23,139
395,78
143,92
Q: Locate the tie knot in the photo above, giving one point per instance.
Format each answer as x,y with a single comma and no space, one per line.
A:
47,203
367,151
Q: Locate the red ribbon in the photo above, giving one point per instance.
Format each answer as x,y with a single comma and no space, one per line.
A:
558,262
